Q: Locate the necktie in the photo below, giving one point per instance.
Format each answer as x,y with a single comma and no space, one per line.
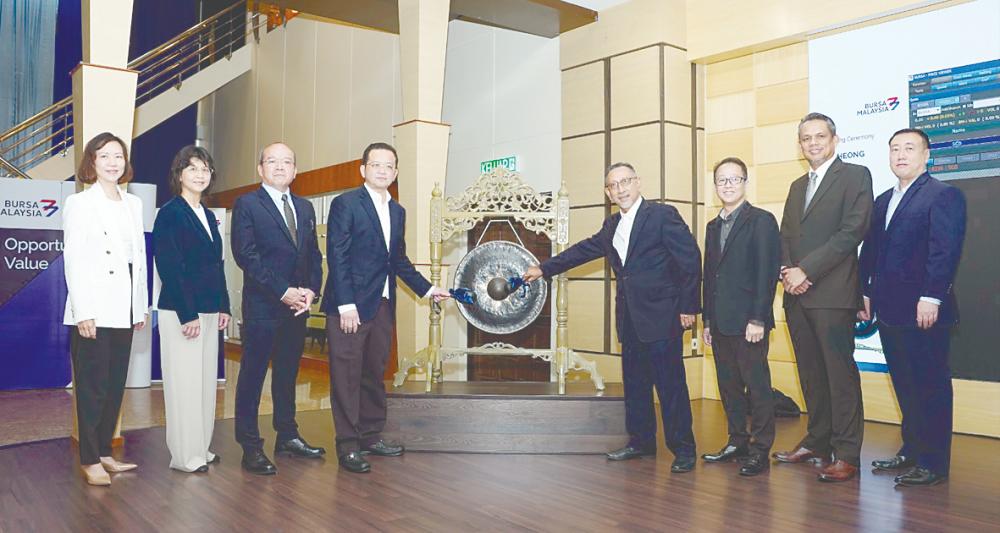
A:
289,218
811,189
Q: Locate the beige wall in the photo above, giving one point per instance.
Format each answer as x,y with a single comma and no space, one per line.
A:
753,103
627,96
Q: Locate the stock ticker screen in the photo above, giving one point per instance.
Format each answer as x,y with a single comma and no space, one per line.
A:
959,108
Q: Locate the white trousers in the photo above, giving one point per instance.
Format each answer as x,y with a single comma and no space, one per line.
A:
190,372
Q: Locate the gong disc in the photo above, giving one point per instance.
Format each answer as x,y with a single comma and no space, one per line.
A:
499,259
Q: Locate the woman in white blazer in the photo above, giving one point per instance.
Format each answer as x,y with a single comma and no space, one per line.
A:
104,257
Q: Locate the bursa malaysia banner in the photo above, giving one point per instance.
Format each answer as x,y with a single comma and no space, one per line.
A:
34,344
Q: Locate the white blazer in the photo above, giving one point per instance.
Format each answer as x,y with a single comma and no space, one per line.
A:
97,277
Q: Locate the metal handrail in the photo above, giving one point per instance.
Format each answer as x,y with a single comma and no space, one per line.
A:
163,66
11,167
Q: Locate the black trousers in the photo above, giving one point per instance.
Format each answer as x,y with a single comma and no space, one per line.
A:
918,366
745,386
824,354
280,343
357,391
100,367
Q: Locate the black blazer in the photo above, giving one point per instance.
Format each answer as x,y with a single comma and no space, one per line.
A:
357,259
740,281
823,240
189,263
659,280
917,255
271,262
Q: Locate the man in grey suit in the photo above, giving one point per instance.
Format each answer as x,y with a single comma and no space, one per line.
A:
826,216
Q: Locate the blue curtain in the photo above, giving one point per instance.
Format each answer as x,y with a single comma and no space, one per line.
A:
27,51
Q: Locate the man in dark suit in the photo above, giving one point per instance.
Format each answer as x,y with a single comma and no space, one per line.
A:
657,265
825,217
742,254
274,243
365,251
908,264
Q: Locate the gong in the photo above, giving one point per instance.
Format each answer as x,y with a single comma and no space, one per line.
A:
499,306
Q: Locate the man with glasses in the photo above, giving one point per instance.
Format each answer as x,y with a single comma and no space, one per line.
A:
274,242
657,267
365,251
742,254
825,217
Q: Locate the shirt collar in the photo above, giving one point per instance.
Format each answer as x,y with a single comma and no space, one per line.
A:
734,214
821,171
275,194
377,197
630,214
896,189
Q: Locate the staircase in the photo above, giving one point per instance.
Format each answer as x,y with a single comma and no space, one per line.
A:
172,76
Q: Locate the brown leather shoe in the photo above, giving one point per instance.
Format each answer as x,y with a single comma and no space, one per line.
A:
838,471
800,455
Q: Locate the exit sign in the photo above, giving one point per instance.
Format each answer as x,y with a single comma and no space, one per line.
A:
510,163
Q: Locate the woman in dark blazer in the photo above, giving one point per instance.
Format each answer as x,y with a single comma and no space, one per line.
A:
104,256
193,307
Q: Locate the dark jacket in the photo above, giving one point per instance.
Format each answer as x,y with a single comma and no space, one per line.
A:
189,263
917,255
659,280
271,261
740,281
357,259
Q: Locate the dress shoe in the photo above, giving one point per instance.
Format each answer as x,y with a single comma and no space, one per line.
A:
896,463
839,470
299,448
726,454
800,455
95,475
682,465
256,462
215,460
383,448
114,466
354,462
629,452
919,477
201,469
755,464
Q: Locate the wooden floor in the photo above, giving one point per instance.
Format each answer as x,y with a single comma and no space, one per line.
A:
40,490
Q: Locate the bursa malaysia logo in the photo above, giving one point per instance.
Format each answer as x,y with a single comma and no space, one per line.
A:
879,106
29,208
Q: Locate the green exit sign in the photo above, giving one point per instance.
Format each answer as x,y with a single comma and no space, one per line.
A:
510,163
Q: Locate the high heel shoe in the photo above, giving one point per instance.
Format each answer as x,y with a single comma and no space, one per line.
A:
114,466
95,476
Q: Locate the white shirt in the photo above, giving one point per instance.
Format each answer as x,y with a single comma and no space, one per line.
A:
381,202
897,195
200,213
624,230
276,195
821,171
121,230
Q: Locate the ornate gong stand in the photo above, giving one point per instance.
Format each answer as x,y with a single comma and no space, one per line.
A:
500,193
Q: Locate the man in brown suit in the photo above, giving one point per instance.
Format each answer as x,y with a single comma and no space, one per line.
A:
826,216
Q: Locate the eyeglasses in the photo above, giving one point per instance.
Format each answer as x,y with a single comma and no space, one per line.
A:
376,165
270,162
621,184
731,180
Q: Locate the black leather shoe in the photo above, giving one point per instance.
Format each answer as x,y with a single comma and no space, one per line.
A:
726,454
383,448
298,448
896,463
354,462
682,465
256,462
755,464
201,469
919,477
629,452
216,460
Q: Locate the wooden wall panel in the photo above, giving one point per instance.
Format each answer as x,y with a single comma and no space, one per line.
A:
635,87
780,65
678,162
784,102
738,143
773,180
640,146
583,100
777,143
730,112
732,76
583,169
677,86
586,315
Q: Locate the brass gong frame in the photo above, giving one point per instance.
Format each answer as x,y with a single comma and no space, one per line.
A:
499,193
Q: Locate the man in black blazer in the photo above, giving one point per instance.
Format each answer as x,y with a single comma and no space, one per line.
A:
365,252
274,243
908,265
826,215
657,265
742,254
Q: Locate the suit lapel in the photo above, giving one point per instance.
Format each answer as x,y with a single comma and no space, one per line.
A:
302,225
904,201
395,224
831,175
192,218
369,206
616,259
738,224
265,200
640,218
